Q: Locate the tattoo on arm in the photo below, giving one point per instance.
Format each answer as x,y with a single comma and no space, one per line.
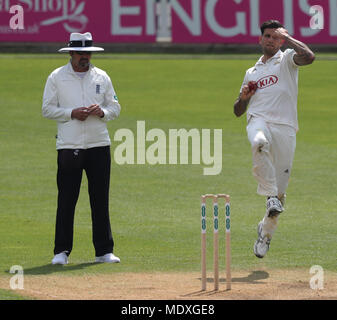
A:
303,54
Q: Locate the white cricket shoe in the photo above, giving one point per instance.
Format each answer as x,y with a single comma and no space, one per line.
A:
274,206
60,258
262,243
109,258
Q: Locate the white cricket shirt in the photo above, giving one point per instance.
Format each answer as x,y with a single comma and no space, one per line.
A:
275,100
65,91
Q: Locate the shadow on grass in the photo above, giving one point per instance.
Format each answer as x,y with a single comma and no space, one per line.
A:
50,268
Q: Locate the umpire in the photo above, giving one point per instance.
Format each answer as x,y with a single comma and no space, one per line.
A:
81,98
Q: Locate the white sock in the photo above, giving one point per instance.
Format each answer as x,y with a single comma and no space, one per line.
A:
269,225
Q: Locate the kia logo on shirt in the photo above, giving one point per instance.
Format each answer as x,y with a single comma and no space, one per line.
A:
266,81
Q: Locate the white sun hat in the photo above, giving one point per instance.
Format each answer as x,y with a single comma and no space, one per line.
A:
80,42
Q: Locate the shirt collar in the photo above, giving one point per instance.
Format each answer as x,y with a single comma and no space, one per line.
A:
275,56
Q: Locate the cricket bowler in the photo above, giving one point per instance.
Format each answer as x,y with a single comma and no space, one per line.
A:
269,95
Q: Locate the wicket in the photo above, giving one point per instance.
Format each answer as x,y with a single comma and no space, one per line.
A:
215,198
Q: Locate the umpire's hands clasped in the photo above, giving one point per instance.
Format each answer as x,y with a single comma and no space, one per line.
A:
83,113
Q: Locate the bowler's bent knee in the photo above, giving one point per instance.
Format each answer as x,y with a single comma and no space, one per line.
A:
260,142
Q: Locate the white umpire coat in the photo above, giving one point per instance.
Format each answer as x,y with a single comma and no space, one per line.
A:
65,91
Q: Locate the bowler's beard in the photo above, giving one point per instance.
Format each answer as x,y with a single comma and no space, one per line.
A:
269,51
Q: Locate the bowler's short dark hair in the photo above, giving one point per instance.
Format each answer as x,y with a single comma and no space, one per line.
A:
270,24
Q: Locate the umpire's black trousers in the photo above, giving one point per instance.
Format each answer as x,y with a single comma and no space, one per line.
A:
96,163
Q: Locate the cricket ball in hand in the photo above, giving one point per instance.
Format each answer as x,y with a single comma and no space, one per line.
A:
252,85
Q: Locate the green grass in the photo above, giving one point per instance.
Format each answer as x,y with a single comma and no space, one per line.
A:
10,295
155,210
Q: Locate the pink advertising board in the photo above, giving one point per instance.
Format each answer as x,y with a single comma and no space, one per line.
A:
189,21
54,20
238,21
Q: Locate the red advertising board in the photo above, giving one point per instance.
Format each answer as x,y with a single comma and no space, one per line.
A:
189,21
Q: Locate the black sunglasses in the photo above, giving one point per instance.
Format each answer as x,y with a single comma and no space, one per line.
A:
81,53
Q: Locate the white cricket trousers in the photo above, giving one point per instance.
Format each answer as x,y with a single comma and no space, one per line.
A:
273,148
